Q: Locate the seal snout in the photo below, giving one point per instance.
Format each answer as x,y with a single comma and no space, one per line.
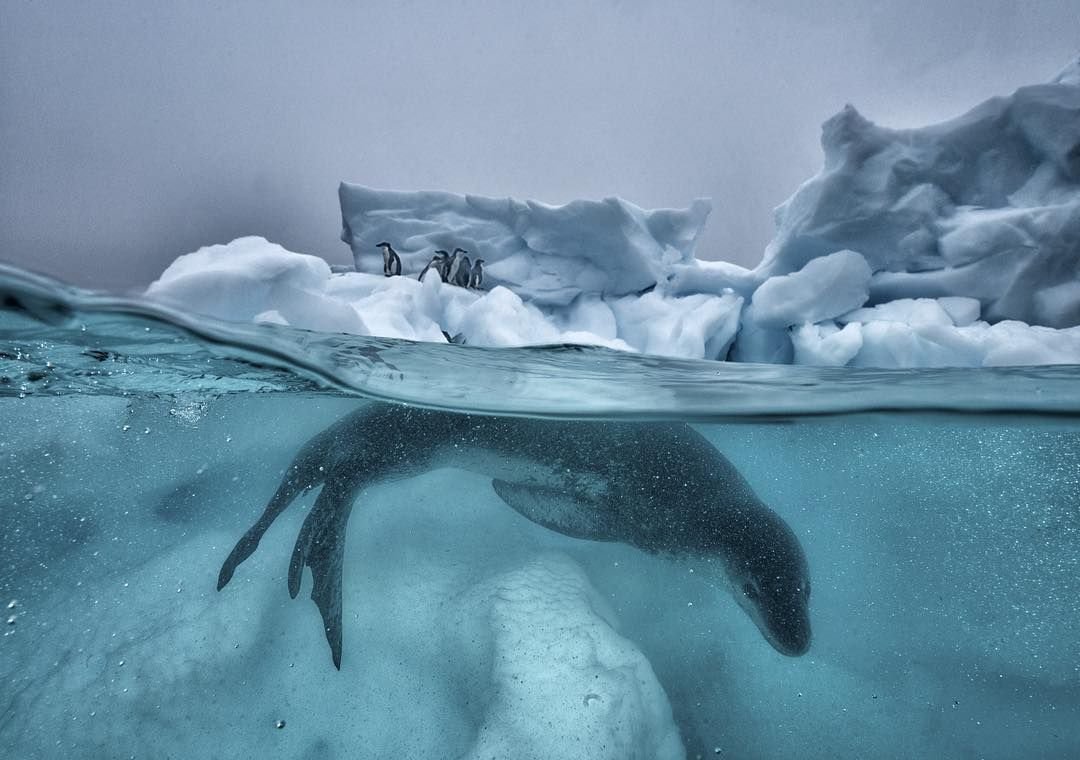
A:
795,646
791,635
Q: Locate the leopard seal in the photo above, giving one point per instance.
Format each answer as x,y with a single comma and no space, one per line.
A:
659,486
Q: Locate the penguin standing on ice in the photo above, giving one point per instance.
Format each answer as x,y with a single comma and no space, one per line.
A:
476,276
440,262
391,262
459,269
463,273
452,264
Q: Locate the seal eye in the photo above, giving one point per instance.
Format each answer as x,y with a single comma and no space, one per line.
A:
750,591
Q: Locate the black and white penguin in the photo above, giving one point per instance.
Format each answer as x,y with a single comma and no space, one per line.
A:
476,276
440,262
391,262
451,262
457,261
443,266
464,272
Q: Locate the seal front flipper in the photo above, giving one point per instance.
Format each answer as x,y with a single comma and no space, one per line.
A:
321,546
571,514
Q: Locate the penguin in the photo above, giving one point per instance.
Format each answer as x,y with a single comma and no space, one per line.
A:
476,276
463,273
443,267
439,262
391,262
457,260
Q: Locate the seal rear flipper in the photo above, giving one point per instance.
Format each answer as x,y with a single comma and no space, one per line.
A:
321,546
286,493
570,514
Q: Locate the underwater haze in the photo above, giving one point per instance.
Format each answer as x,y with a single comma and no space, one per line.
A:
939,512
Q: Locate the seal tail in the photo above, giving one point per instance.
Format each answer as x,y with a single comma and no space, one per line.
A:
286,493
321,546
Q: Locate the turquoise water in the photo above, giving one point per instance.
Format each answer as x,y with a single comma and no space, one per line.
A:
939,512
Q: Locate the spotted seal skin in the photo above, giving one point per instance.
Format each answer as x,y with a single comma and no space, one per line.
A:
658,486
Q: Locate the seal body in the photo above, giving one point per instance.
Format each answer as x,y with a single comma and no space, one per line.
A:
658,486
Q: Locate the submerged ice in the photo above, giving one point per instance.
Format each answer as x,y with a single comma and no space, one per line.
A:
956,244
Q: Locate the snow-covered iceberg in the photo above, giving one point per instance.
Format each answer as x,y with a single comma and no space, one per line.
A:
986,205
954,244
548,255
251,279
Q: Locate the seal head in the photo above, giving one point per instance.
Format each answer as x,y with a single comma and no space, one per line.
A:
771,581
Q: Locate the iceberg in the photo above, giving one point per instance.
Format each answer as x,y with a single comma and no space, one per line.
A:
555,660
253,280
548,255
956,244
825,288
537,643
986,205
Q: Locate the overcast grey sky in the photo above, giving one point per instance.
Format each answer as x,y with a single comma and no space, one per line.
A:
132,131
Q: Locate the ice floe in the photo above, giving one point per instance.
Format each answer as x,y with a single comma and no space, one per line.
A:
956,244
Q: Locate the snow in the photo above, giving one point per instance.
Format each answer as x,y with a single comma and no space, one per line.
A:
953,244
826,344
912,311
825,288
250,278
884,342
